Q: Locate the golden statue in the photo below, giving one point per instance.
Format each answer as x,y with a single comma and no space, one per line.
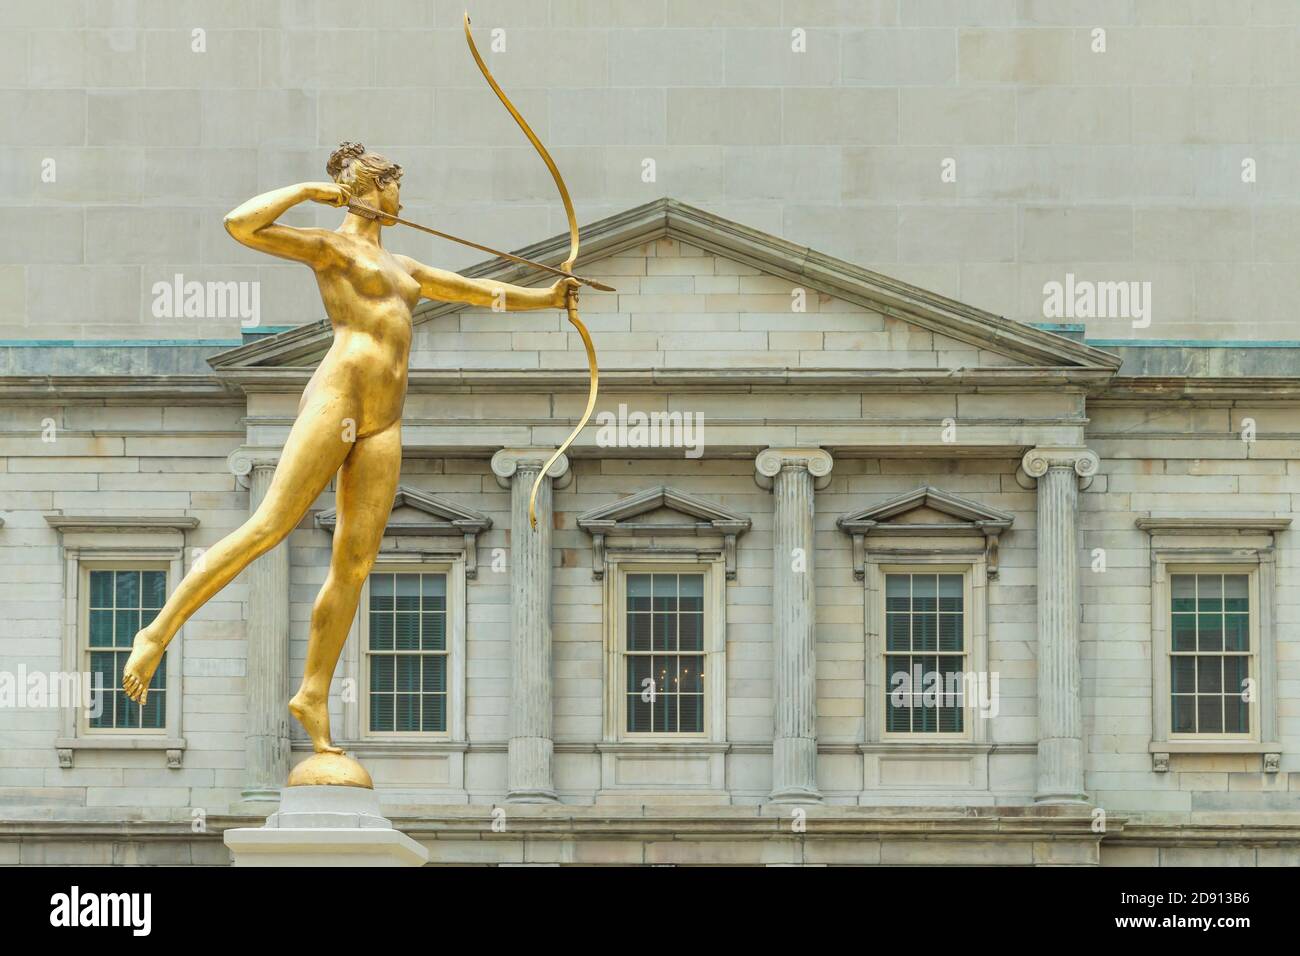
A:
349,418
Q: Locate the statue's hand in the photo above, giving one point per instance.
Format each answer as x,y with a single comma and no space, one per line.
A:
331,194
562,289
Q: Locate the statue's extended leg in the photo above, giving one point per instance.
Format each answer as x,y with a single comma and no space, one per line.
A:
366,485
312,454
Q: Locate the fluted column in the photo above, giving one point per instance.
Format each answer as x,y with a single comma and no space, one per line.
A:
529,775
792,474
266,675
1059,473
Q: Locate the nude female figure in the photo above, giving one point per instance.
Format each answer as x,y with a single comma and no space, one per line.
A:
358,389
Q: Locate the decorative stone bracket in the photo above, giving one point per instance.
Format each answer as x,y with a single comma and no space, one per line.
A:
703,518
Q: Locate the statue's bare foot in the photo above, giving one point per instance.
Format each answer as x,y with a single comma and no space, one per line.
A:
146,651
314,716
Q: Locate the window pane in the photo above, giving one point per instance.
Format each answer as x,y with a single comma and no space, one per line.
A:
925,632
407,713
382,673
950,632
1209,592
638,671
101,588
1183,592
897,632
434,717
434,668
154,713
1183,675
691,714
101,628
1236,632
408,592
1209,715
898,592
1209,632
665,592
433,631
1184,632
127,587
1236,592
1235,672
690,632
434,591
381,592
408,672
638,592
381,712
950,592
665,631
1236,715
924,592
1209,675
406,630
153,589
691,592
1184,715
381,631
638,714
638,632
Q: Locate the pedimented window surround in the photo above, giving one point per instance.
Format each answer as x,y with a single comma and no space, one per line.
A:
417,514
1207,544
925,512
924,530
661,521
661,530
425,534
119,541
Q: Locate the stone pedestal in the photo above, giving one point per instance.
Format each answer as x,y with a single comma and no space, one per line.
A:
1059,473
325,826
792,474
531,747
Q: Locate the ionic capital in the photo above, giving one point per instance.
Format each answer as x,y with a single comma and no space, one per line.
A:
509,461
1038,461
816,461
246,458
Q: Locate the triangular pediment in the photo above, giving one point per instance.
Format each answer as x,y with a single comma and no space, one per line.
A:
926,509
854,318
662,509
419,513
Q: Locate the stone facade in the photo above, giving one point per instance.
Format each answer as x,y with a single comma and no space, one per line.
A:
881,426
829,123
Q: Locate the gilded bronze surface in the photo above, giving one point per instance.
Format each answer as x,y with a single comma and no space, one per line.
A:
348,420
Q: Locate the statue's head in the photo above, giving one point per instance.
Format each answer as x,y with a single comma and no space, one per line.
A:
373,179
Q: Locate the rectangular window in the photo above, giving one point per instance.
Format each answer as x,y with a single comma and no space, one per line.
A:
122,602
664,653
406,652
1210,654
925,653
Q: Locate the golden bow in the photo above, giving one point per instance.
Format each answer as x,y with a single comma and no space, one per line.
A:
572,302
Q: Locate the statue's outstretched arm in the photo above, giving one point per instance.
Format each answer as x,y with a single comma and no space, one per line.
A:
253,223
453,287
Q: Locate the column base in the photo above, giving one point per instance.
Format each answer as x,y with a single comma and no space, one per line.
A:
1062,799
794,795
532,796
528,770
325,826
